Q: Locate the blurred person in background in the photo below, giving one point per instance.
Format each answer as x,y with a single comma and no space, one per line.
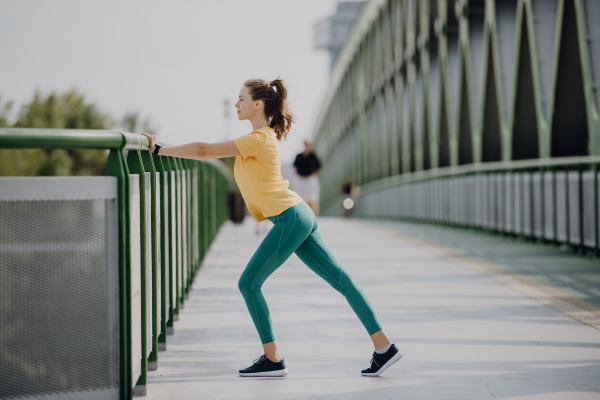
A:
349,193
257,172
307,167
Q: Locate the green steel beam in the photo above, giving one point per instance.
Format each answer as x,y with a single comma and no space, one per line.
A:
395,40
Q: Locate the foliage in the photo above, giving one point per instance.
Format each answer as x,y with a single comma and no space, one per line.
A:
132,122
4,113
68,110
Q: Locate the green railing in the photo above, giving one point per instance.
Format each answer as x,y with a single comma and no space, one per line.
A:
182,204
548,200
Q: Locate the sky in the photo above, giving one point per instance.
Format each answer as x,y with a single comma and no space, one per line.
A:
174,61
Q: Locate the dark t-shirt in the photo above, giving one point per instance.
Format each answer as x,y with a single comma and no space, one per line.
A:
347,188
307,165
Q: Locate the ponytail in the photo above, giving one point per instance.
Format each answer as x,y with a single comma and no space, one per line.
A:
274,96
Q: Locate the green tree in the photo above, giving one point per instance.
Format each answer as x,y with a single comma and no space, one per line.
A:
68,110
5,110
132,122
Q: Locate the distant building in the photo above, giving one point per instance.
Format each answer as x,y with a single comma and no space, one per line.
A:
331,33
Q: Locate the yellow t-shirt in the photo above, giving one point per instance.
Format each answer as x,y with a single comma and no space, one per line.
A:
258,174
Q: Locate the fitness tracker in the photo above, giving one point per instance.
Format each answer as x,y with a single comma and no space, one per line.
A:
156,149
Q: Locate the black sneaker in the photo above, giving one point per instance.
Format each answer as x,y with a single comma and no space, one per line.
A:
262,366
381,362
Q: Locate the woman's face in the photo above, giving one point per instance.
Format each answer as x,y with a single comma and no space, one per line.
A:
246,107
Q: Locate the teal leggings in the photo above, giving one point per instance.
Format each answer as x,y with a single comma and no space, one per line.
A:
296,231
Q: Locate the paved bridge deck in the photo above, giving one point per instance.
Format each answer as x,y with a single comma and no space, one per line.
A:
463,319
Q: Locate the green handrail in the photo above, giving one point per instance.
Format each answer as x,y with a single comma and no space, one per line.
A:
23,138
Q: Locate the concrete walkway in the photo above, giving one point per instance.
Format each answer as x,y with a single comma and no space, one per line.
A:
464,333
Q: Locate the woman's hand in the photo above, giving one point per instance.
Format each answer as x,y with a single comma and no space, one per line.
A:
152,140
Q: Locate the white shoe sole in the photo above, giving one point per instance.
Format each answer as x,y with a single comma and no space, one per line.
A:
385,366
281,372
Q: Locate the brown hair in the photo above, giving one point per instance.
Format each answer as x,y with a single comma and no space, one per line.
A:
274,95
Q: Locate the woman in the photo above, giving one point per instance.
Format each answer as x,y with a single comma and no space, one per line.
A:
295,230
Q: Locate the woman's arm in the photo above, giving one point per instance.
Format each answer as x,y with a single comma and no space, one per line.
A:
196,150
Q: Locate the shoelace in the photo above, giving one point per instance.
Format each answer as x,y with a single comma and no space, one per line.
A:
373,360
259,359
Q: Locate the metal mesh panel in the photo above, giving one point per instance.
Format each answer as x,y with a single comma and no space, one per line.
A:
59,331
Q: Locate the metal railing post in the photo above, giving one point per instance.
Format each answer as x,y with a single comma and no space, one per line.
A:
164,251
173,300
596,211
580,213
135,164
117,167
155,190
